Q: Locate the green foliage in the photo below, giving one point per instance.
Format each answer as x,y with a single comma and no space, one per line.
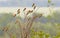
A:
42,34
49,1
47,35
54,27
14,36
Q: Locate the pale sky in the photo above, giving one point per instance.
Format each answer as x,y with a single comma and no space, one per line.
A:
26,3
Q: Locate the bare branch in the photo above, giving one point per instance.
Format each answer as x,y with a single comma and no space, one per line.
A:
31,20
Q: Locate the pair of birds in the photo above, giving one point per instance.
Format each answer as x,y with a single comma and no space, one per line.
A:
34,7
18,11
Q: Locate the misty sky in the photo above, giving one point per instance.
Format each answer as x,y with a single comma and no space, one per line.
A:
27,3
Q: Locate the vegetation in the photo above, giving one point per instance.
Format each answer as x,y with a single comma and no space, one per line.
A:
51,27
13,26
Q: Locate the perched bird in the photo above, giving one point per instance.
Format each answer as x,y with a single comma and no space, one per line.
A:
40,15
29,19
17,21
18,11
29,11
5,29
24,9
37,16
34,7
33,4
14,15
